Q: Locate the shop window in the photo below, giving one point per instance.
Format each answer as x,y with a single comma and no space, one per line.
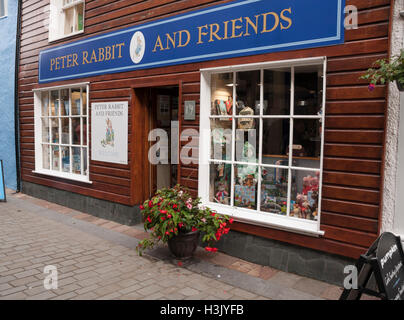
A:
3,8
265,143
61,135
66,18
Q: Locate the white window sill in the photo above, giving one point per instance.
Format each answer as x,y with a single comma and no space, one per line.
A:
305,227
3,17
64,175
71,5
66,36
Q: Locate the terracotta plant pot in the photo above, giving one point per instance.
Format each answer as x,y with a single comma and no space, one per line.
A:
184,245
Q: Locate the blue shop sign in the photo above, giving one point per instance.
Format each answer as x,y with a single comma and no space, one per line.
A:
239,28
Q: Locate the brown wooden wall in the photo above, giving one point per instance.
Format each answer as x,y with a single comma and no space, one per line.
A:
355,117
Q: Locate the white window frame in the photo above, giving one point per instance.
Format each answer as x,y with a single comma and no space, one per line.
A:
257,217
83,177
57,19
5,9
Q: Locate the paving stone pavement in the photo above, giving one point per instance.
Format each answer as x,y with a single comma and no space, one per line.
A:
96,260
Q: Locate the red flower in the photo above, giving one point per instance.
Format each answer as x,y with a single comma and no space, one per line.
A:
175,206
213,214
167,233
163,211
211,249
180,225
371,87
194,229
231,220
141,207
175,229
162,218
169,216
226,230
149,220
150,203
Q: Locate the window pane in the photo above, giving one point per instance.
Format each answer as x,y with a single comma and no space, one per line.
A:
220,183
2,10
45,103
55,130
45,130
55,158
276,133
221,139
222,94
79,17
247,145
65,159
274,190
277,92
64,95
304,196
84,99
76,154
65,131
307,143
248,92
75,98
308,90
84,131
245,186
69,15
45,157
76,131
55,103
85,163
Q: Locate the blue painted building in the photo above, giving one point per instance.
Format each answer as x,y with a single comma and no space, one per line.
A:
8,32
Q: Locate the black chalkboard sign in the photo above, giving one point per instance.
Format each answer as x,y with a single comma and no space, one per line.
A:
384,262
390,258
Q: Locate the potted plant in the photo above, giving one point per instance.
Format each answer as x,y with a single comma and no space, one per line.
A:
172,216
383,71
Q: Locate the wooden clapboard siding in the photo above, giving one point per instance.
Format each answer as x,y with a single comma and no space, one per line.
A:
354,128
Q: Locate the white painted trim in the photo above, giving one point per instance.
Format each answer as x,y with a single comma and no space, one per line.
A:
66,86
246,215
57,20
65,36
279,222
64,175
38,134
5,9
264,65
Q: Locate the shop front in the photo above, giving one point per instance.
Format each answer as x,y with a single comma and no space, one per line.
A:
255,106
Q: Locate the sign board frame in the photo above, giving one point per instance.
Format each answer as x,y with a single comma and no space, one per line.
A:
2,184
370,265
235,29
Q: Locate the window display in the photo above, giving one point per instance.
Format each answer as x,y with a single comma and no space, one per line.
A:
63,124
266,141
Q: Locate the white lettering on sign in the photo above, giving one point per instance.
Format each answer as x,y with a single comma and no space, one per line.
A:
388,255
